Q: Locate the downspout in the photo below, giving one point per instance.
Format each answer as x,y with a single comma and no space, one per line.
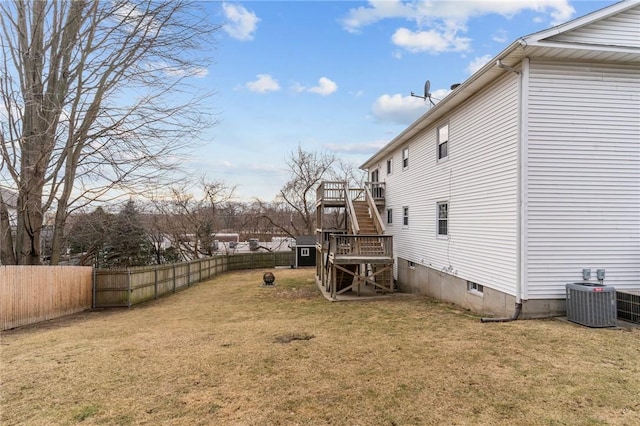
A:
521,248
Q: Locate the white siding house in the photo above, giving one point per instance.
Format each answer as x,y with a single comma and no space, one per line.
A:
524,174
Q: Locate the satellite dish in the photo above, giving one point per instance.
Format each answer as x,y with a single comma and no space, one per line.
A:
427,94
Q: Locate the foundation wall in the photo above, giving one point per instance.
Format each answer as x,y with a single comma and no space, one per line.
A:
419,279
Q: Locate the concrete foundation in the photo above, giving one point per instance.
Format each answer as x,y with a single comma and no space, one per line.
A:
419,279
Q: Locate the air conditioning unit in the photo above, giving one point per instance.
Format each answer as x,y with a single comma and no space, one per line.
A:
593,305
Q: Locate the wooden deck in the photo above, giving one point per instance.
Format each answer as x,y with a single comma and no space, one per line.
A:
358,258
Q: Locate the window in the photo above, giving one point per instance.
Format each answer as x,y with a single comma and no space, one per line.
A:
443,218
475,287
389,166
304,252
443,142
389,216
405,216
375,175
405,158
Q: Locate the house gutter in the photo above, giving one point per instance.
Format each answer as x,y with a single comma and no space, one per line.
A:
522,199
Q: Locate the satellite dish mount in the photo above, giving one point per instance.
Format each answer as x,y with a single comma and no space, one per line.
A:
427,93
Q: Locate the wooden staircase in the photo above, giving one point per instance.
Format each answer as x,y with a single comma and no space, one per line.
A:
368,227
365,221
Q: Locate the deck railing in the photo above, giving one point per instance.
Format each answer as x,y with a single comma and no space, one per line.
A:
361,246
377,190
331,191
335,191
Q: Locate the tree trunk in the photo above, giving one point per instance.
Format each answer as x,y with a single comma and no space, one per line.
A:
7,255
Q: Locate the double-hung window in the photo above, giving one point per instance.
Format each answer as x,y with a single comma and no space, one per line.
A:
405,216
405,158
443,142
443,219
389,166
389,216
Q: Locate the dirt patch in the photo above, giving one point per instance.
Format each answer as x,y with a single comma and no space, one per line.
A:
290,337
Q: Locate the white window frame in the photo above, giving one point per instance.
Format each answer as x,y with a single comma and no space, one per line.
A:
389,216
390,166
439,219
304,252
405,216
405,158
475,288
440,142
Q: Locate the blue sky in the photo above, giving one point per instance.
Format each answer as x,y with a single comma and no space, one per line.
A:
336,76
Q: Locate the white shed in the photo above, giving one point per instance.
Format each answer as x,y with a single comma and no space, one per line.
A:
525,174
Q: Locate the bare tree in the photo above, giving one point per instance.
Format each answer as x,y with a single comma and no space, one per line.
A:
97,100
190,221
307,169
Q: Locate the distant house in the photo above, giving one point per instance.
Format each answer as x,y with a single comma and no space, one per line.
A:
305,251
525,174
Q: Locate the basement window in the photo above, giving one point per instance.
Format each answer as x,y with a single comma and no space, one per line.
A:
475,287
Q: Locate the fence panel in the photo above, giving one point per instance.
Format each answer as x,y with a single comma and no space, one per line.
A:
128,287
30,294
110,288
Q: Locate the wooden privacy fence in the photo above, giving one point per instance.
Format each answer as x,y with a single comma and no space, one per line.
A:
30,294
113,288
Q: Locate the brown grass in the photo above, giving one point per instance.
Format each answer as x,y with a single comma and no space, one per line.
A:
214,354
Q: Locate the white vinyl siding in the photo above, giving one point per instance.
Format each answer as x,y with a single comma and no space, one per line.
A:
618,30
480,184
583,175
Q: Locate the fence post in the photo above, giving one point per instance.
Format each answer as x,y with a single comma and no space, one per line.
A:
174,277
129,285
155,282
95,283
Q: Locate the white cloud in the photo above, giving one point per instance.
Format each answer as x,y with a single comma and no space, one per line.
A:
264,83
181,72
440,23
404,109
398,109
439,95
430,41
478,63
241,24
500,36
325,87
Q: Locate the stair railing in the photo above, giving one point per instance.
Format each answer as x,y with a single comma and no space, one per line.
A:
351,213
377,220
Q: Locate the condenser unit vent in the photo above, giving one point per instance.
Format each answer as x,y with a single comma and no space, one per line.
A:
593,305
629,305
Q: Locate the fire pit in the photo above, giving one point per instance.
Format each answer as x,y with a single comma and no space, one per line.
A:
268,278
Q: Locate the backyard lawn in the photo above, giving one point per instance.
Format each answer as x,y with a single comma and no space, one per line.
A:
230,352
